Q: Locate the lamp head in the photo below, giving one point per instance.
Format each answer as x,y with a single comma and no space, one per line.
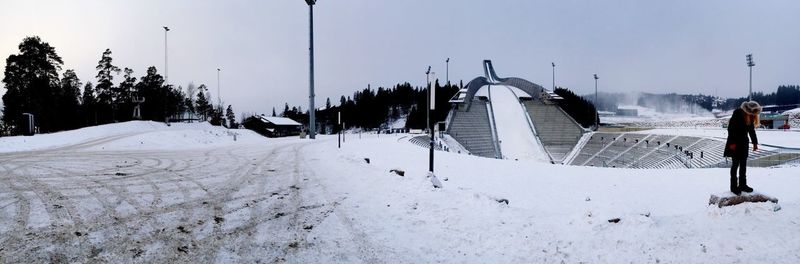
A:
166,29
595,77
311,2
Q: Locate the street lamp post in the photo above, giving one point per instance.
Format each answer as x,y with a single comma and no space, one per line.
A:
447,71
219,99
166,67
432,107
428,96
554,76
166,74
596,103
750,65
312,126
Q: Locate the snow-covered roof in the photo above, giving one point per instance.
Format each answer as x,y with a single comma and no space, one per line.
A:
281,121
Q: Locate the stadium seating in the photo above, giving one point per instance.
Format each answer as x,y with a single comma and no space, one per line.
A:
557,132
472,129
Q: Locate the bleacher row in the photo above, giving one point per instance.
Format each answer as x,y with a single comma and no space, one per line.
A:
557,132
650,151
471,128
425,141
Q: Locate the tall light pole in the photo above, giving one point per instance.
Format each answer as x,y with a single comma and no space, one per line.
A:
554,76
166,78
596,103
312,126
431,107
166,69
428,95
750,65
447,71
219,99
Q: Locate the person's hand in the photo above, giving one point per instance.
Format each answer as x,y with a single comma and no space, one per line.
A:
732,147
755,147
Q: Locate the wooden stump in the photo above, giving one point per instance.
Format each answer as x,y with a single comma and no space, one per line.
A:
730,199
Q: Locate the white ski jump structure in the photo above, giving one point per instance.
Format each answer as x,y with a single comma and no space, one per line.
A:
512,118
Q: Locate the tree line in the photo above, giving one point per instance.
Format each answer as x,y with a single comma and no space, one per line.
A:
577,107
33,85
374,108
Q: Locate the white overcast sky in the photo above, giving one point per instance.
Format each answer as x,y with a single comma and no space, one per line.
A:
684,46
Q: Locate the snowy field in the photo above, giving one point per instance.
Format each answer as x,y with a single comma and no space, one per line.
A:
189,193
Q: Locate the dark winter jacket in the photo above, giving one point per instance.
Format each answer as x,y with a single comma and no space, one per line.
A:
737,136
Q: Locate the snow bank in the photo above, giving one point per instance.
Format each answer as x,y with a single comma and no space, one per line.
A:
554,213
132,135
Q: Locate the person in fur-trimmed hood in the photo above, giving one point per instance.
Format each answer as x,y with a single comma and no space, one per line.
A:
743,123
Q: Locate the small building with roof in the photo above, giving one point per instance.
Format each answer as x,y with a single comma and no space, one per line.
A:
273,126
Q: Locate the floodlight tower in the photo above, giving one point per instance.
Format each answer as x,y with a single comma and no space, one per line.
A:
312,126
595,99
447,71
554,76
166,69
750,65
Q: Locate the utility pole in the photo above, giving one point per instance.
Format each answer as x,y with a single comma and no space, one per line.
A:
312,126
750,65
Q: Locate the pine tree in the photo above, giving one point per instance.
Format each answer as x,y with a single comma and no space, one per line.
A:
202,104
88,103
69,101
150,87
231,117
106,92
32,84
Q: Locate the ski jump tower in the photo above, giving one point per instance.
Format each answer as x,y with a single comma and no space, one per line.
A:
512,118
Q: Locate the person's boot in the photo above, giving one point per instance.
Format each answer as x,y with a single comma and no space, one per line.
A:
743,184
734,188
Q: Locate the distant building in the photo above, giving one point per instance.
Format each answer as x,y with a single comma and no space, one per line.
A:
271,126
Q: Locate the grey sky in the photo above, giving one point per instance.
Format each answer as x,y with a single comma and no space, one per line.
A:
262,46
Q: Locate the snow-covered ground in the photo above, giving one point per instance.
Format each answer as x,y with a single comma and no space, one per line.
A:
307,201
133,135
517,141
648,117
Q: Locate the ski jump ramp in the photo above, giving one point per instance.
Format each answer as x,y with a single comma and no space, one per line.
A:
514,126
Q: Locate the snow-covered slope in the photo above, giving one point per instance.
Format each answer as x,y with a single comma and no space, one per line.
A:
554,213
133,135
517,141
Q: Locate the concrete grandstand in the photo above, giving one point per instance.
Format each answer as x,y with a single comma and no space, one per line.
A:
512,118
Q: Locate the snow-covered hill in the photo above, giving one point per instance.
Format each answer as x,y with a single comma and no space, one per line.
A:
133,135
